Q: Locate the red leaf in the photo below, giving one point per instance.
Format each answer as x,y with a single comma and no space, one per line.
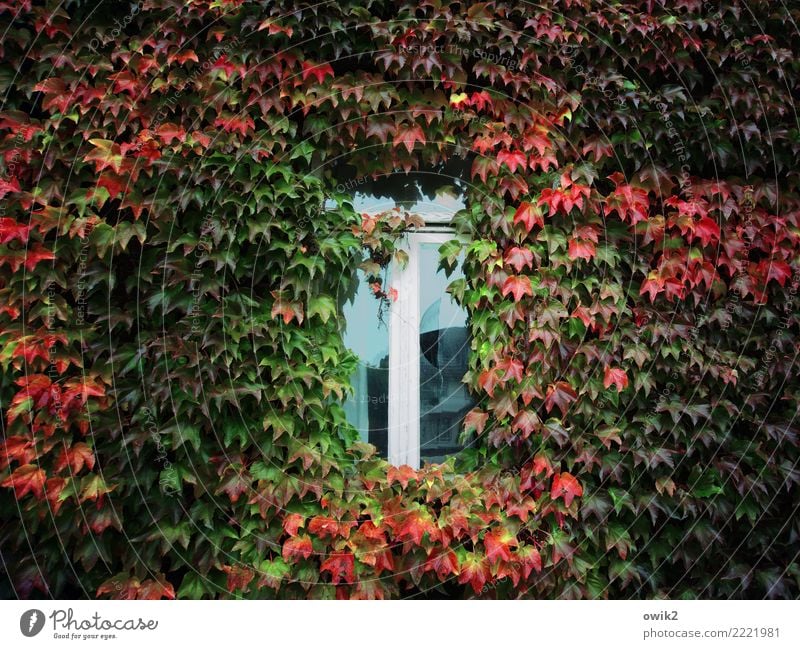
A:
292,522
475,420
484,167
444,563
82,389
541,464
52,489
615,376
10,230
415,525
479,100
581,249
27,478
629,202
518,258
474,571
274,28
341,565
559,394
323,526
75,458
518,285
653,285
564,484
400,474
106,154
775,269
598,148
8,186
512,159
297,546
498,544
526,422
169,131
238,577
18,449
29,257
408,135
530,559
529,215
317,70
380,128
241,123
513,369
551,198
488,379
112,183
223,63
707,230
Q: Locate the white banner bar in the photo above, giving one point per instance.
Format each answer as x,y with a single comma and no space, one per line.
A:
432,623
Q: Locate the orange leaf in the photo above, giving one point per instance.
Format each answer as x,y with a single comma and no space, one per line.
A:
27,478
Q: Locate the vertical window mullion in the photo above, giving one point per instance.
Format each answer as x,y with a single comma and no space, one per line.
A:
404,362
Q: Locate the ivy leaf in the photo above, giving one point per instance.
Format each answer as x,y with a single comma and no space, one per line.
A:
707,230
498,544
518,258
415,525
518,285
526,422
317,70
75,458
321,305
775,269
341,565
10,230
287,309
106,154
559,394
293,522
565,485
530,559
475,421
615,376
581,249
26,479
323,526
488,379
381,128
408,135
484,167
444,563
529,215
475,572
297,547
401,474
512,159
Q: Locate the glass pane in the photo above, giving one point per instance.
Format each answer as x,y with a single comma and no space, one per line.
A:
436,198
444,345
368,408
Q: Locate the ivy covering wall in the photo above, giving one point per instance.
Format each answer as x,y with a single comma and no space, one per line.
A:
171,285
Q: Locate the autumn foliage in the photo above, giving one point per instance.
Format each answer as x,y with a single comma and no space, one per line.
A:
172,276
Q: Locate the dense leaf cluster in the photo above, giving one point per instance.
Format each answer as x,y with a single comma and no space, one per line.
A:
173,275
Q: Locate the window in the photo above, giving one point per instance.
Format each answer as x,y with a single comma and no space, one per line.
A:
409,399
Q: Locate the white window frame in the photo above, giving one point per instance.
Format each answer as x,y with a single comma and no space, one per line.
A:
404,351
